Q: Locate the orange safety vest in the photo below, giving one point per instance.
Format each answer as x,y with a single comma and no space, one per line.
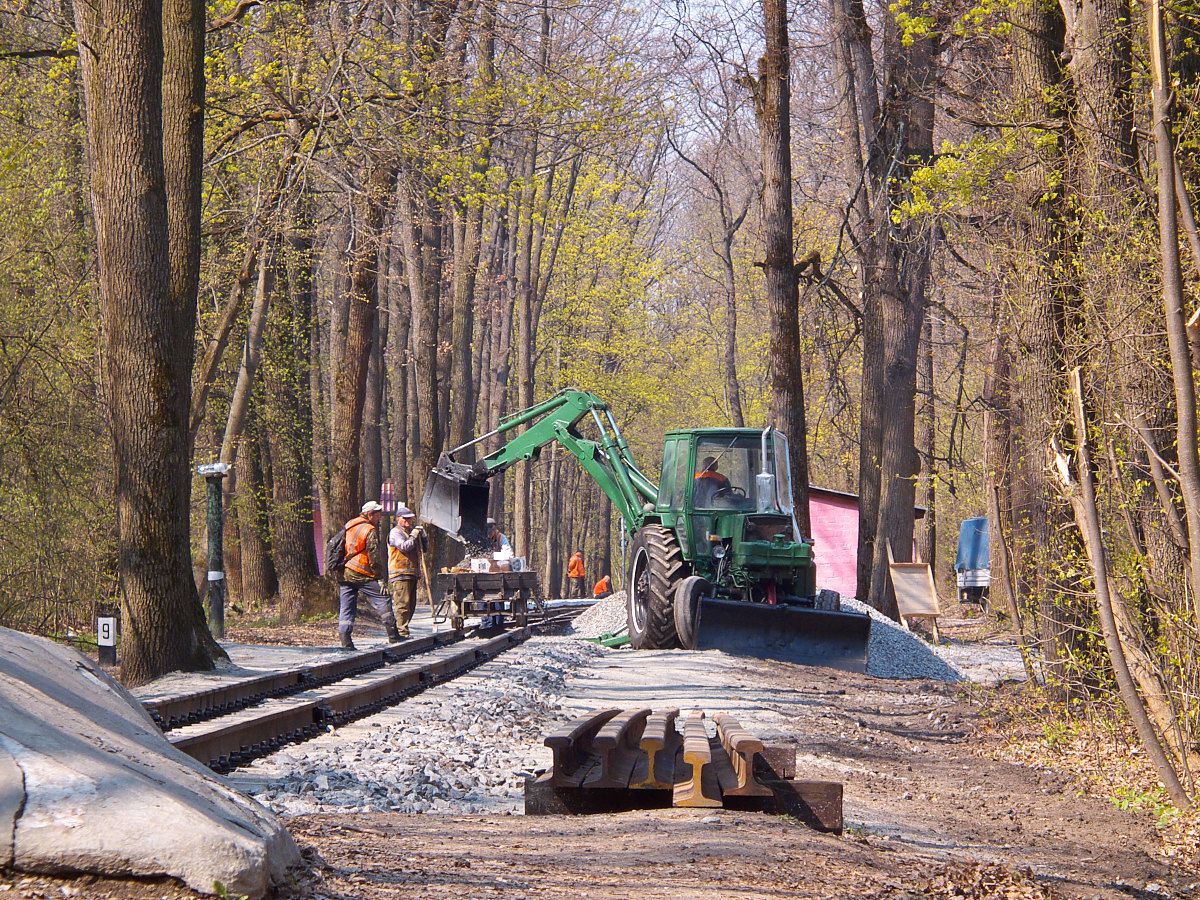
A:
603,586
357,558
401,564
709,473
575,567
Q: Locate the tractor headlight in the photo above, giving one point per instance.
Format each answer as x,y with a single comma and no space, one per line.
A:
718,551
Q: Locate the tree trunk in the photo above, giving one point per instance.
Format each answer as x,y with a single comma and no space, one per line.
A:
418,231
398,368
773,109
523,471
149,322
1083,500
372,437
926,441
1172,294
259,583
350,376
733,388
289,425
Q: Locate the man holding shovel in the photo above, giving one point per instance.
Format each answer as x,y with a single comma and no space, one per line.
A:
406,543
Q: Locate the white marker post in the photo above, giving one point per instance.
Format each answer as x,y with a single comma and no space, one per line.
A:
106,637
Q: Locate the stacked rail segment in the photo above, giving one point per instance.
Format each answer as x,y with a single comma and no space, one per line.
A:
615,760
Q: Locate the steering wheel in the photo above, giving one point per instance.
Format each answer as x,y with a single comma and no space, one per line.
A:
731,491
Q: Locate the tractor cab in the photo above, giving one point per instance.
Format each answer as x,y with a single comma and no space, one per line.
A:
727,493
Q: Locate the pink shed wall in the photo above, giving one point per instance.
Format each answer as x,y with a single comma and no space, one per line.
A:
834,520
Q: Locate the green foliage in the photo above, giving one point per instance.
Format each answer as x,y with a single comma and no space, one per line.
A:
1153,801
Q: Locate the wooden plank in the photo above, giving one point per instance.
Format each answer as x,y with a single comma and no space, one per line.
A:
776,761
543,798
817,804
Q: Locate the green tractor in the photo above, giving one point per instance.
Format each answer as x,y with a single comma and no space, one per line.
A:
716,560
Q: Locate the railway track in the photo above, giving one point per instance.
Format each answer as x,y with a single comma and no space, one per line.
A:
229,726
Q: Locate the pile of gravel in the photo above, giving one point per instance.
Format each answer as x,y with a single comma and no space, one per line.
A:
896,653
606,617
462,747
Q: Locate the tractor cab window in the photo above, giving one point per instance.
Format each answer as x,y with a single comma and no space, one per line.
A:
725,473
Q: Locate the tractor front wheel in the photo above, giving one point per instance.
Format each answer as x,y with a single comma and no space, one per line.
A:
655,569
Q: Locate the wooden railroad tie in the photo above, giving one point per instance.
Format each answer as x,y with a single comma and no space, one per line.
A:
615,760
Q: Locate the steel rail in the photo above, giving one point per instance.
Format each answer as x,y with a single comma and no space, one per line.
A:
226,745
199,706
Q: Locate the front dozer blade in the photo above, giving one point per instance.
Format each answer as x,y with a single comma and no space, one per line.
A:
811,637
456,504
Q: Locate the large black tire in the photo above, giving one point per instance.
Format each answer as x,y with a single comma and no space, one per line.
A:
655,569
688,594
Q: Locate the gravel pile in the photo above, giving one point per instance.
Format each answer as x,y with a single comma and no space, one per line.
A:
896,653
605,617
462,747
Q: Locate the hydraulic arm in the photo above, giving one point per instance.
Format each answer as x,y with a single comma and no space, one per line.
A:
456,494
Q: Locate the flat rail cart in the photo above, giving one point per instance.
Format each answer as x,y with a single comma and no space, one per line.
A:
486,594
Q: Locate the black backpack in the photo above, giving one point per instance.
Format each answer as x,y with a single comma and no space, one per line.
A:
335,555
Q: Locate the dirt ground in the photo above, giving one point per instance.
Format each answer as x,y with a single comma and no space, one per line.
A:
929,812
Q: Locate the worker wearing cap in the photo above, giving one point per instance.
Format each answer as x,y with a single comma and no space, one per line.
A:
496,539
575,575
406,543
362,574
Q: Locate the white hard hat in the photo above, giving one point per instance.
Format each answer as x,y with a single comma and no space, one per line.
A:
370,506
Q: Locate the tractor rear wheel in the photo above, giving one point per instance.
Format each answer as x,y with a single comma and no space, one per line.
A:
655,569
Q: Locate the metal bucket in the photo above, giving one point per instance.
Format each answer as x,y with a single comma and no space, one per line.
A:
457,505
811,637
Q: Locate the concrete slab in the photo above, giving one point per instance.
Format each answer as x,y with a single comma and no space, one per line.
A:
101,791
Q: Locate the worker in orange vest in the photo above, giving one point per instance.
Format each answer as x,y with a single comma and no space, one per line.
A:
362,575
708,483
603,588
576,574
406,543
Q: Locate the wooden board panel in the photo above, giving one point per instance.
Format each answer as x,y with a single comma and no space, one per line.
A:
916,594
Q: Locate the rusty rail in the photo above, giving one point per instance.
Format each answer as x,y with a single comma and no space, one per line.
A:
660,744
202,705
571,745
741,747
225,745
700,788
618,749
614,760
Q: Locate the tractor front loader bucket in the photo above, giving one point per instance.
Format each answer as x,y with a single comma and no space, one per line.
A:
456,504
812,637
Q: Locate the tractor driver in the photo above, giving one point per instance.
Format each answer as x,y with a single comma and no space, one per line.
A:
709,482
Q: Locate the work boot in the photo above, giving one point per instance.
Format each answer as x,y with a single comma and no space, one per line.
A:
347,643
394,635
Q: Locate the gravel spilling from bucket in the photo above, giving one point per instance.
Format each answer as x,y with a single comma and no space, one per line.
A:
605,617
465,746
896,653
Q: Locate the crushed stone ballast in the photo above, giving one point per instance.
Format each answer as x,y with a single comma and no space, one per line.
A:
465,746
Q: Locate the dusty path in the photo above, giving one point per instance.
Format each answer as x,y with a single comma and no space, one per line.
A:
927,814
